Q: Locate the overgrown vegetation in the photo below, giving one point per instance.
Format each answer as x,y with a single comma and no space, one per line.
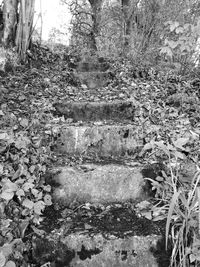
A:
153,51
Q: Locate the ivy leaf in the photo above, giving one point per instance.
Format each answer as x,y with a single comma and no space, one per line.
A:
19,172
173,44
8,189
6,250
10,264
163,147
38,231
166,50
24,123
39,196
23,226
173,25
22,142
1,169
148,146
39,207
47,188
185,48
4,136
27,186
28,203
35,192
7,185
20,193
7,195
179,30
179,155
2,259
47,200
179,143
32,168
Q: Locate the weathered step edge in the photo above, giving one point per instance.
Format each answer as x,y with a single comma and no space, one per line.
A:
94,79
96,111
89,250
129,252
101,141
97,184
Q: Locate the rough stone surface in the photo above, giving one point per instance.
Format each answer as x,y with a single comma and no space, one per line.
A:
97,183
93,79
116,252
92,72
95,250
3,60
102,141
96,111
92,63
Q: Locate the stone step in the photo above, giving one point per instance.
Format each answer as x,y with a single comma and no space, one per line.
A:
113,236
96,111
100,141
93,79
117,252
97,183
92,65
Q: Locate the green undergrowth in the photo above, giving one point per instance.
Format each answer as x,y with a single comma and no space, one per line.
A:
24,194
167,110
178,198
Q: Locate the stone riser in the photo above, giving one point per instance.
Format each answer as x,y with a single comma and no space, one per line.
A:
95,250
128,252
96,111
101,141
93,79
97,184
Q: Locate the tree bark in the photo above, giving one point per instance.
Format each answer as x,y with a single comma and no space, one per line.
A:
17,23
96,6
126,5
24,27
10,21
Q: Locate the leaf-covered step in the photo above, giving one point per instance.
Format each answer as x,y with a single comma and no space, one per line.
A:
101,141
97,183
95,111
88,249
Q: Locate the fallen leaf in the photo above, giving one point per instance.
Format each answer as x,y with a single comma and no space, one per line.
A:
7,195
24,123
28,203
39,207
87,226
1,169
179,143
47,200
38,231
2,259
10,264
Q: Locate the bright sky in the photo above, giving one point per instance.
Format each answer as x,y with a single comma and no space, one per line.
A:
54,16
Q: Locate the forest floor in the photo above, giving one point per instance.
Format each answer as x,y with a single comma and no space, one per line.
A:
168,108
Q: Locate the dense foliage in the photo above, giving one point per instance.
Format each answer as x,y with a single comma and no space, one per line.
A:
152,48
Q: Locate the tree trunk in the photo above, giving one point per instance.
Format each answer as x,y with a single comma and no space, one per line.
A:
17,24
10,21
128,20
96,6
24,27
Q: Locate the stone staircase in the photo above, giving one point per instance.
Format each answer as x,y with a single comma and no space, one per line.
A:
92,72
106,139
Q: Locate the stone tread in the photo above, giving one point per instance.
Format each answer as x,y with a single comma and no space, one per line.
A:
101,141
96,111
97,183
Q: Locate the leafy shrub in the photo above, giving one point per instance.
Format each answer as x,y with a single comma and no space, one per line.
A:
180,47
178,193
